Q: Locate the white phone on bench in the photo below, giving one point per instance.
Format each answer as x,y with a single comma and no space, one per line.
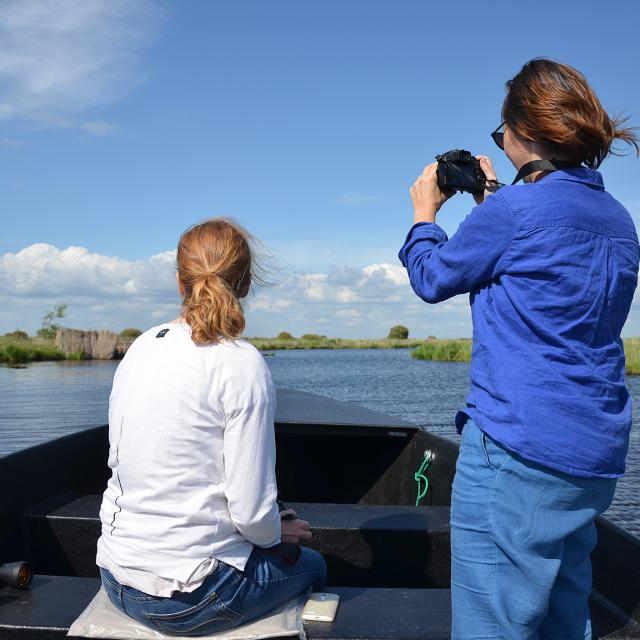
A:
321,607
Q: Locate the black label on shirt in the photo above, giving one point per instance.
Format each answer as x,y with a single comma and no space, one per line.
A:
162,333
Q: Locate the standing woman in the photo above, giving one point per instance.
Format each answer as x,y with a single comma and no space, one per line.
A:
551,267
191,529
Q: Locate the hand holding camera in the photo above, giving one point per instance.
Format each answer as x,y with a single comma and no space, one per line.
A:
455,170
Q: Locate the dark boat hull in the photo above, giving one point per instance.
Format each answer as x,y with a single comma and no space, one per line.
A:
347,470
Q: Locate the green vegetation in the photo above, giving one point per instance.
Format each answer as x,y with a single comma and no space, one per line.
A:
399,332
49,328
19,351
285,335
447,350
460,351
17,335
314,341
130,333
632,353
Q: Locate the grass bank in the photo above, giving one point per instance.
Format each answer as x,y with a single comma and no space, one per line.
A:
14,351
460,351
20,351
444,350
322,342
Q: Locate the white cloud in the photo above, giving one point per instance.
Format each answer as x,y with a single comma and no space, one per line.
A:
112,292
61,58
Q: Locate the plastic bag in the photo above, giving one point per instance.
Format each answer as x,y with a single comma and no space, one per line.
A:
101,619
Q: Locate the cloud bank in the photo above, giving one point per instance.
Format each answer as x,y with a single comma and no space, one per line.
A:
61,58
112,292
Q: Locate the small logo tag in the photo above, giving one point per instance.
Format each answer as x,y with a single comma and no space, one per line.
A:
162,333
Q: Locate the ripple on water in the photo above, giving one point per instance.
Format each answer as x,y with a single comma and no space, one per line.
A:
53,398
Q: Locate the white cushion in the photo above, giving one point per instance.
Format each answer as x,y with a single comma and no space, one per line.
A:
102,619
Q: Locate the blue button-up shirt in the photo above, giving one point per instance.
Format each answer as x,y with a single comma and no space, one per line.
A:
551,267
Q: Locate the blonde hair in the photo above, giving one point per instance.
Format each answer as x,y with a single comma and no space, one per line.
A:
214,264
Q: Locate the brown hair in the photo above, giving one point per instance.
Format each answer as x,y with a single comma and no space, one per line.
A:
214,263
552,103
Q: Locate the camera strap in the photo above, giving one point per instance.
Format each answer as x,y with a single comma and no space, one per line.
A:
543,165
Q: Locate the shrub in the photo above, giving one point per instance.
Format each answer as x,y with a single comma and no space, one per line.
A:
17,335
131,333
312,336
399,332
284,335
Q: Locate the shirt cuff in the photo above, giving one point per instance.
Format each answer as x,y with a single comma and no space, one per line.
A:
422,231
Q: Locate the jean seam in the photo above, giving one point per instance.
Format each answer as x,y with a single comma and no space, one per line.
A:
111,584
495,545
212,597
486,453
282,580
128,596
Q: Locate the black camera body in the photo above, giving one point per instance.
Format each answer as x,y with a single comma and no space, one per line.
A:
459,170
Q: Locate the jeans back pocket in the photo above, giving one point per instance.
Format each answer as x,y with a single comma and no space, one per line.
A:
210,611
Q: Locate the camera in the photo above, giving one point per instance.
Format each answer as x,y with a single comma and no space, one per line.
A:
458,170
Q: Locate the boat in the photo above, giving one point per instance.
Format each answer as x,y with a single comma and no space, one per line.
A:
349,471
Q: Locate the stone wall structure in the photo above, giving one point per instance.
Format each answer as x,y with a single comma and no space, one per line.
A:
97,345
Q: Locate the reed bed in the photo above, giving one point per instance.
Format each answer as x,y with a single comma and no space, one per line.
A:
15,351
444,350
322,342
460,351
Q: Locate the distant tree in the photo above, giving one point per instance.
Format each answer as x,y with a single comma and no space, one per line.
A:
432,338
399,332
312,336
17,335
49,327
285,335
131,333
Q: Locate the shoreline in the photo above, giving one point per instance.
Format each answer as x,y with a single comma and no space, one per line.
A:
19,352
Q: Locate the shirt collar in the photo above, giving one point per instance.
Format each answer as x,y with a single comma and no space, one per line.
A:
576,174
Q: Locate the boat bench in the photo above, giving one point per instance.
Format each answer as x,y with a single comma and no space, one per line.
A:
364,545
48,608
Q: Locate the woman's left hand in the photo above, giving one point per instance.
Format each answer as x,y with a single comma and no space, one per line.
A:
296,531
426,195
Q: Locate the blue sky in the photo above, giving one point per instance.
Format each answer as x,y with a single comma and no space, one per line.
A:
122,122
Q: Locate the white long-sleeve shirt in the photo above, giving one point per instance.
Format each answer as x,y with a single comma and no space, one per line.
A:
192,453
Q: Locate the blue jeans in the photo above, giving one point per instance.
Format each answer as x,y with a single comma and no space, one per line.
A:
227,598
521,535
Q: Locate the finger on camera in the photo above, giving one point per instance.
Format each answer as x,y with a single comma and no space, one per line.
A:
429,168
486,166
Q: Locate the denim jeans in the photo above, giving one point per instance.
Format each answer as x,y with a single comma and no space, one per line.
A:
521,535
227,598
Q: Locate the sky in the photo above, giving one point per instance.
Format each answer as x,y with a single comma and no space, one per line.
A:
123,122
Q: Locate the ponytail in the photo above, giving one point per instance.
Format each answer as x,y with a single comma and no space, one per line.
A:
214,264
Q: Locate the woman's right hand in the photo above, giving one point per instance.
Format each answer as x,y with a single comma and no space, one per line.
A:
490,172
296,531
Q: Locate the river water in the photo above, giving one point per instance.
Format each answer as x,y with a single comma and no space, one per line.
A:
53,398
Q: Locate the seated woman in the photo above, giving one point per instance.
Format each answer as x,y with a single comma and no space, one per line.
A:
191,529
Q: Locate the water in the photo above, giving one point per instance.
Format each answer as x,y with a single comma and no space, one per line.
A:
54,398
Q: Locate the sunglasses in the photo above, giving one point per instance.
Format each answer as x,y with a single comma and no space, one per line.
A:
498,136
